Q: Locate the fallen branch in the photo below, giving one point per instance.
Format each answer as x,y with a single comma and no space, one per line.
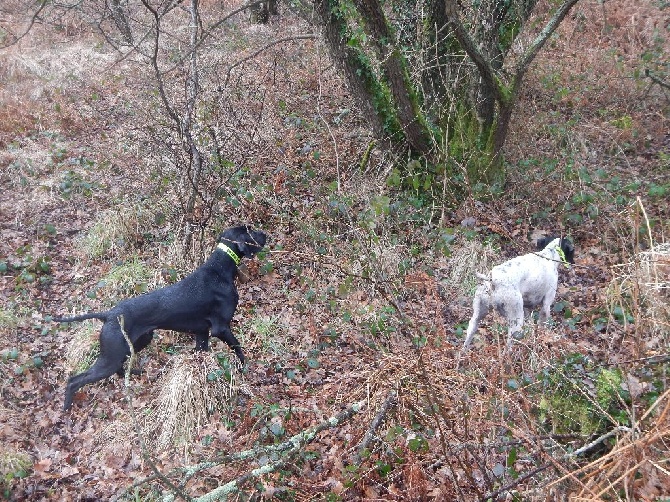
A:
289,447
370,435
567,456
656,80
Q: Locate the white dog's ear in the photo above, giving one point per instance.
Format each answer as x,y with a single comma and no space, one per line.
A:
543,241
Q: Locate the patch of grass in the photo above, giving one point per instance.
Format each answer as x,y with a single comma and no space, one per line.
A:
271,335
28,266
379,324
83,348
129,278
583,398
13,465
8,319
117,229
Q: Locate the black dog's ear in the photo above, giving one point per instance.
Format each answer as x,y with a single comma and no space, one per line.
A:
248,249
251,242
568,249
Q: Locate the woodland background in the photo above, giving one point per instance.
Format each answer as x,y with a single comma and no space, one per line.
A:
358,306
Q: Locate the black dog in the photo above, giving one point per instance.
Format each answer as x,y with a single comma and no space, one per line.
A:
202,303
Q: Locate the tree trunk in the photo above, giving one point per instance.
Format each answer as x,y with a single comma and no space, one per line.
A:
440,86
121,21
397,77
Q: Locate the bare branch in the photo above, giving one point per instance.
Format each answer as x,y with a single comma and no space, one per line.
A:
264,48
390,401
540,40
154,63
483,65
34,18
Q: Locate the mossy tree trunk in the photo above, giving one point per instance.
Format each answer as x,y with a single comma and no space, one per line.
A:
433,75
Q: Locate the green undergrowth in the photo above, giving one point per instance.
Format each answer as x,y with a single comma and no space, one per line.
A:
580,397
14,465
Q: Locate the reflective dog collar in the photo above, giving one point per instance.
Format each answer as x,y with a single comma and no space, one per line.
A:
229,252
561,255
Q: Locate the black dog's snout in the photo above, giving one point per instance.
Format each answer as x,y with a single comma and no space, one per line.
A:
259,238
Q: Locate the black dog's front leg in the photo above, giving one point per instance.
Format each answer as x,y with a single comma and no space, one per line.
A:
202,341
224,333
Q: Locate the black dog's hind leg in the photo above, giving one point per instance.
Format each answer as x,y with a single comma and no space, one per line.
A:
106,365
224,333
113,352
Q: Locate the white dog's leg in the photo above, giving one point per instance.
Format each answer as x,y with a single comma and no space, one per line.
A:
472,327
545,310
514,314
480,307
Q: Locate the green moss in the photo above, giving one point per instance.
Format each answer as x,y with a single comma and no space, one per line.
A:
578,398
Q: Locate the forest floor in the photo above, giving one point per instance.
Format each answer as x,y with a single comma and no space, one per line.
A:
359,303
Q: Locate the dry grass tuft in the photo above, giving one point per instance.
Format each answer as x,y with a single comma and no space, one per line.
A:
195,387
13,464
466,260
129,278
120,228
636,466
116,439
641,287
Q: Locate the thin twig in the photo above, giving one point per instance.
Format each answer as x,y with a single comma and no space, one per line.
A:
264,48
138,429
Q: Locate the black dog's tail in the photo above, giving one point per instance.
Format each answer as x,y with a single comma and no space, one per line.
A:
93,315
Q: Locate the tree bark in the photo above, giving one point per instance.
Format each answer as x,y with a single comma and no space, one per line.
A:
395,68
366,89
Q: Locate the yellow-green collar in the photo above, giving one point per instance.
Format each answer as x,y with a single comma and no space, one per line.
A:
229,252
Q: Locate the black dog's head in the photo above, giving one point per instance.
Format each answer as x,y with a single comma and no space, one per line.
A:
243,240
566,246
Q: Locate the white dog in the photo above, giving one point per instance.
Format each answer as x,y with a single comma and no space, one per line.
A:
526,281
